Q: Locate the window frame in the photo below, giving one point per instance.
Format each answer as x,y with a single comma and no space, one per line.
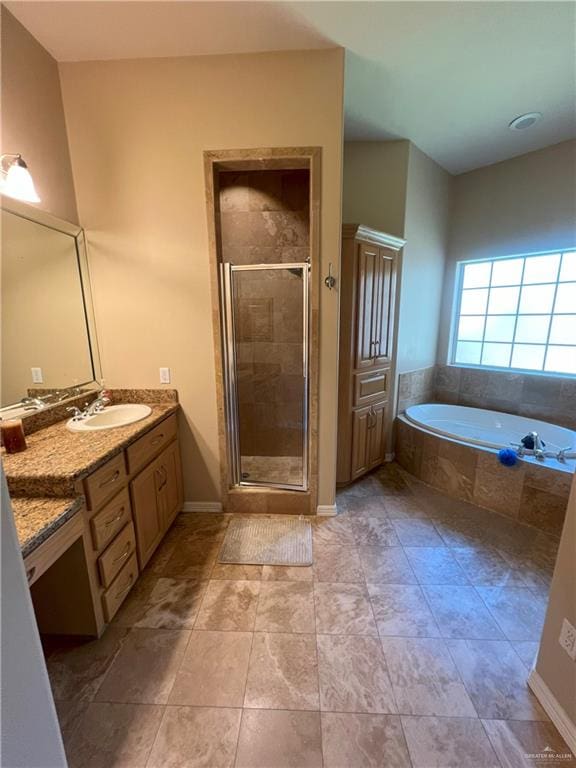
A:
457,304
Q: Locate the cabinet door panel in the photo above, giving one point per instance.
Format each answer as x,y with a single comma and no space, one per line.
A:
367,264
170,488
384,322
146,512
376,447
360,433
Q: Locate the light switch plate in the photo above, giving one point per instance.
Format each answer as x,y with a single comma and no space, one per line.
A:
37,377
164,375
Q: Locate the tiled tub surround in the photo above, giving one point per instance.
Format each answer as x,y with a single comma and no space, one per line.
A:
530,492
407,644
548,398
416,387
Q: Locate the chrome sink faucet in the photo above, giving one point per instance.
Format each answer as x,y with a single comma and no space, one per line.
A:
92,408
99,403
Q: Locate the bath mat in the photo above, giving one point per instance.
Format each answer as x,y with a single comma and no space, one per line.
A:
267,541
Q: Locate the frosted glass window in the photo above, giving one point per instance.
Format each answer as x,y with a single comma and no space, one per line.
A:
500,328
532,329
561,360
471,328
518,313
528,356
497,355
503,301
468,352
541,269
563,330
474,302
507,272
537,299
477,275
566,298
568,268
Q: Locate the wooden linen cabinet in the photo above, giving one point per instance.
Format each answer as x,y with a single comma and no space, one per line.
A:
367,300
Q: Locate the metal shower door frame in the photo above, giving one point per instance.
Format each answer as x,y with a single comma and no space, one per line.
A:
230,378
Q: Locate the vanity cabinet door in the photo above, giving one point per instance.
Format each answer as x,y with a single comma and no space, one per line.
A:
146,511
170,484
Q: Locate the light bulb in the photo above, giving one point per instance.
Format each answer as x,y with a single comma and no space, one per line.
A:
19,184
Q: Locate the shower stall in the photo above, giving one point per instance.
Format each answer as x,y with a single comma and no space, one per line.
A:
265,311
264,226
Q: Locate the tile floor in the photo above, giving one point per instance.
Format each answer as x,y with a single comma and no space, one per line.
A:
407,644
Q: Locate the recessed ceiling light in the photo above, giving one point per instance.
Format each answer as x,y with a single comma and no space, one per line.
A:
522,122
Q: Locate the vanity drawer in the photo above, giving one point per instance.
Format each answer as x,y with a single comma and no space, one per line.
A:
370,387
106,523
143,450
113,598
105,482
111,562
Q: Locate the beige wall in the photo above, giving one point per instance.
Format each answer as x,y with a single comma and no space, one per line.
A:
522,205
137,131
555,667
395,187
374,189
33,117
426,230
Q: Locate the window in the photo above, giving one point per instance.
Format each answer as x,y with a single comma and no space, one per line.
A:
517,312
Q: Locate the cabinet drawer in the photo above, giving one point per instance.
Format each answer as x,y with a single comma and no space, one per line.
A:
144,449
106,523
105,482
370,387
123,546
113,598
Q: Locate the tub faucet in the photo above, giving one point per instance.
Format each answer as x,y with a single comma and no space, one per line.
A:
538,446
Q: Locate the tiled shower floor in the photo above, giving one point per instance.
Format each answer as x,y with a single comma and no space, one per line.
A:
408,643
272,469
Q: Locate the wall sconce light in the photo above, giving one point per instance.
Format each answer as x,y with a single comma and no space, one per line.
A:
15,179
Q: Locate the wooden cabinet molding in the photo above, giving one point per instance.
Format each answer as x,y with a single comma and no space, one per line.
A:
367,348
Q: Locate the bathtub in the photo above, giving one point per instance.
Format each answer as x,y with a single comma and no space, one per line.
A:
455,449
488,428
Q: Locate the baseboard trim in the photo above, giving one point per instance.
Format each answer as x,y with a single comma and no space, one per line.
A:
202,506
555,712
326,510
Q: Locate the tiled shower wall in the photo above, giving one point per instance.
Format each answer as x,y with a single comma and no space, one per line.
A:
547,398
264,219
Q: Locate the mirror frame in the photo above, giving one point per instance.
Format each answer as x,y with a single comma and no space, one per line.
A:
29,212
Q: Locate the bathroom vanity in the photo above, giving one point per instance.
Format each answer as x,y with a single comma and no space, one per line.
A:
102,503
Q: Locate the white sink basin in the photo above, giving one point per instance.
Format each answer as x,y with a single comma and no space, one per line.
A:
111,417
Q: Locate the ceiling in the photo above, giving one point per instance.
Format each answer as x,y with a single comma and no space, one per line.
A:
449,76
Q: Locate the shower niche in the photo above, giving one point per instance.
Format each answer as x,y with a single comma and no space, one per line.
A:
263,211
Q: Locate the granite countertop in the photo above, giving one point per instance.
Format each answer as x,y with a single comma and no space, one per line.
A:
38,518
57,458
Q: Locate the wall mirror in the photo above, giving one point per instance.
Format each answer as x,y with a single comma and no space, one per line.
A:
49,347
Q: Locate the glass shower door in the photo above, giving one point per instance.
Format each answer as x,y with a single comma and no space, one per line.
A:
266,356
